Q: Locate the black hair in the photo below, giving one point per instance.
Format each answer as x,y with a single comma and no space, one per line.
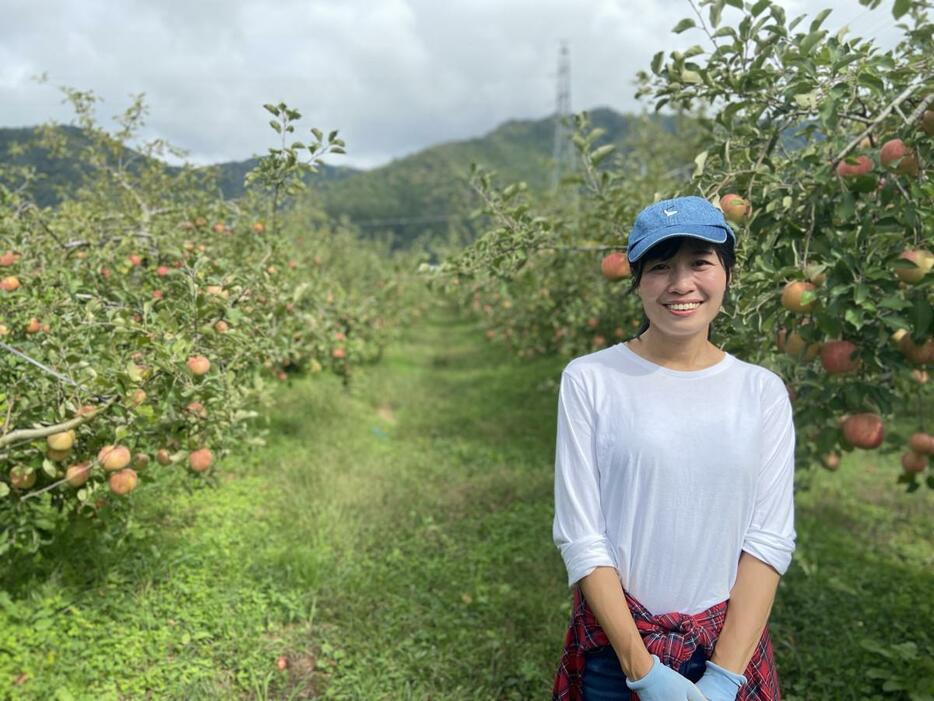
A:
666,250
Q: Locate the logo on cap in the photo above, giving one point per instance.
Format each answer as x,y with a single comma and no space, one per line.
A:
671,213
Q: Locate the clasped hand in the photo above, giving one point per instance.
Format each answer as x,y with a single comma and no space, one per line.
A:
665,684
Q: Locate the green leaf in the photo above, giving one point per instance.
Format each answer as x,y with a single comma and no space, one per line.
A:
853,317
691,77
133,372
601,153
819,20
4,489
861,293
271,109
738,4
275,125
810,40
921,316
808,100
684,25
700,160
900,8
657,62
759,7
872,81
49,468
716,9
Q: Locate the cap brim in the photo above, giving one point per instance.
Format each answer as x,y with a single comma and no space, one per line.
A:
713,234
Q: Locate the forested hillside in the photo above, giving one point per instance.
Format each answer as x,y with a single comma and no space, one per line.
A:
424,193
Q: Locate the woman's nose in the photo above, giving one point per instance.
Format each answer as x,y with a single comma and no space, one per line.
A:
681,279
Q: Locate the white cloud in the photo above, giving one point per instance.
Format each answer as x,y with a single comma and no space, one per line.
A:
393,75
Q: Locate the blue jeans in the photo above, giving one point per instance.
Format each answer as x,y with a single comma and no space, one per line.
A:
604,679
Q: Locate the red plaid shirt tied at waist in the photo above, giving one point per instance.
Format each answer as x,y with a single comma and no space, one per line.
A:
672,636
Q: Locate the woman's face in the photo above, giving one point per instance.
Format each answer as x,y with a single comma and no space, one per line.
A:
681,296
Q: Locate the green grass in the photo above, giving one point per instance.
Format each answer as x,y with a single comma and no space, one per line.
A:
394,542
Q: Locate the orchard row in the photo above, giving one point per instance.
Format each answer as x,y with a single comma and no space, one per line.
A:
142,321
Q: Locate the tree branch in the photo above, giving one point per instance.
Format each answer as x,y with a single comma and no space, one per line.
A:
21,435
904,95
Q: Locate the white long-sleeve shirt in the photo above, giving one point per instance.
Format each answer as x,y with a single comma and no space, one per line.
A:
668,475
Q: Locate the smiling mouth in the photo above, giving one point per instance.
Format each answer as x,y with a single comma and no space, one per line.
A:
683,306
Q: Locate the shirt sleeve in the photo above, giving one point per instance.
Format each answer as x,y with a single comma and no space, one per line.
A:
771,533
579,530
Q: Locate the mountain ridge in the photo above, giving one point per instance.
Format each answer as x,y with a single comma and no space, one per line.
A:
424,192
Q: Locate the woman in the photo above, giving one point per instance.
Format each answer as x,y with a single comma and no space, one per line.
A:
674,467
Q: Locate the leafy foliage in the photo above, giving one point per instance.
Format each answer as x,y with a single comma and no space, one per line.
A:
124,290
777,106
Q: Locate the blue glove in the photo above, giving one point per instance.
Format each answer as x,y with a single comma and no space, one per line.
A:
719,684
664,684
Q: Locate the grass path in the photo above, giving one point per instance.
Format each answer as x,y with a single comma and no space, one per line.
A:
395,543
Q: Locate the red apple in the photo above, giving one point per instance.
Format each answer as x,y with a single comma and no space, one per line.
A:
78,474
61,441
864,430
615,266
795,346
7,259
113,457
9,283
854,165
22,477
918,355
791,296
895,155
201,459
927,122
735,208
838,357
923,261
123,482
198,365
830,461
921,442
197,409
914,462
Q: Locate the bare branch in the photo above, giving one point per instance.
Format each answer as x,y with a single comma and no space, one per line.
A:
22,435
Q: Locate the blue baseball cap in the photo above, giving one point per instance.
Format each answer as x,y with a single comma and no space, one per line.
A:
682,216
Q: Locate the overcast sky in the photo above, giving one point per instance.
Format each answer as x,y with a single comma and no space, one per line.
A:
394,76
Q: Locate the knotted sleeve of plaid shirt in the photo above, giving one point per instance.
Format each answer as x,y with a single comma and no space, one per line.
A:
672,636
